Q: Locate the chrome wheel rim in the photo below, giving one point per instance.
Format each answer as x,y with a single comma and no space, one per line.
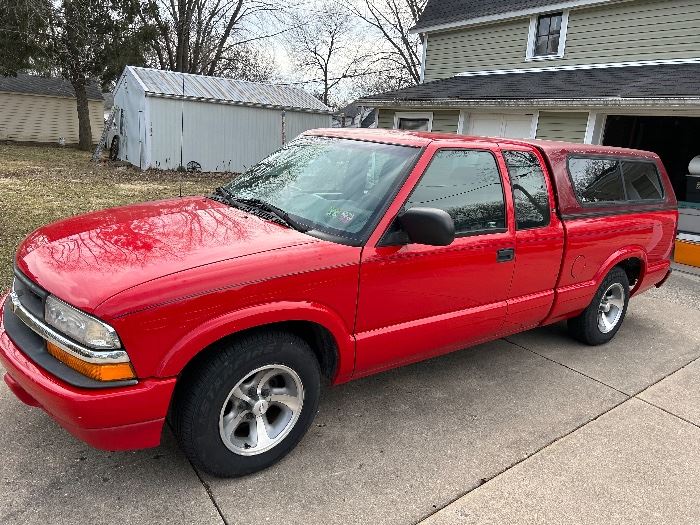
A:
261,410
611,306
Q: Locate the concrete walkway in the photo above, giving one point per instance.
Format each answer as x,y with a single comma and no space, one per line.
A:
532,429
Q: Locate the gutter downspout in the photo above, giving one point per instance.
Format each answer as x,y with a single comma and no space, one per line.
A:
423,57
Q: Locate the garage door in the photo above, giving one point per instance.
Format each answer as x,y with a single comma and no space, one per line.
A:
500,125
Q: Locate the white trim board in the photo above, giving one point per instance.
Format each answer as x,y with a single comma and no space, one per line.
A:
595,127
523,13
535,124
423,58
462,122
606,65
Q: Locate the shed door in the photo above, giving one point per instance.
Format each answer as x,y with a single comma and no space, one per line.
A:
500,125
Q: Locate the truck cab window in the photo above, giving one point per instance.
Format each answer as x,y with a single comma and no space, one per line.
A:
467,185
596,180
529,189
642,181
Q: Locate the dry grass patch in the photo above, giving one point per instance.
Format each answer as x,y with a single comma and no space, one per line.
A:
39,185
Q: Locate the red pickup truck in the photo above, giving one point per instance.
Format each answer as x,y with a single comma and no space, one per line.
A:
346,253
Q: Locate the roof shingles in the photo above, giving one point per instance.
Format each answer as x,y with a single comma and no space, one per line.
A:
52,87
439,12
658,81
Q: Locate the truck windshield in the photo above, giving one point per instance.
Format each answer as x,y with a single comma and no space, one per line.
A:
329,185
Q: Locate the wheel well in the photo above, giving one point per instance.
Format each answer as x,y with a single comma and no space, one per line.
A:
316,336
633,269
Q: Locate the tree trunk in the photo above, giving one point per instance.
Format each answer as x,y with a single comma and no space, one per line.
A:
84,129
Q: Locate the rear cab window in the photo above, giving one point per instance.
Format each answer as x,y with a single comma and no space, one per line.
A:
467,185
642,181
614,180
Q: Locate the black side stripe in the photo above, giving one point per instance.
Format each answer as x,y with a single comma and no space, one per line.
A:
613,213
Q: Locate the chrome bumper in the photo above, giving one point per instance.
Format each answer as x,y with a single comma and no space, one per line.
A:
46,332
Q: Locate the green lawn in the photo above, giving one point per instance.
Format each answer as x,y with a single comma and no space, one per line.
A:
39,185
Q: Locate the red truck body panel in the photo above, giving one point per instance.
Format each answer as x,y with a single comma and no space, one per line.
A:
173,277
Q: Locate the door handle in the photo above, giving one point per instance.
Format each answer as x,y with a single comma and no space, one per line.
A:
505,255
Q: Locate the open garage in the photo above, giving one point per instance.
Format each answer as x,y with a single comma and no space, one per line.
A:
675,139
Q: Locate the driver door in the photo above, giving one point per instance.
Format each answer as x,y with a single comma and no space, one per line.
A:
416,301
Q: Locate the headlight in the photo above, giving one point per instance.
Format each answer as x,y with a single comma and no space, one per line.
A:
80,326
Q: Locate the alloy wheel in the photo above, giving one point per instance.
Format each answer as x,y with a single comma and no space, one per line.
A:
261,410
611,307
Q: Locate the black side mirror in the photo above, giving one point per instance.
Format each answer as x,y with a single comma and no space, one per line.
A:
429,226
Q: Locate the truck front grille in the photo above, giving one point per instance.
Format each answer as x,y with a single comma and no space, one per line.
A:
30,295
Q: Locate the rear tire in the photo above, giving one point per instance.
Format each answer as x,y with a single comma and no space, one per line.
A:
248,405
601,320
114,149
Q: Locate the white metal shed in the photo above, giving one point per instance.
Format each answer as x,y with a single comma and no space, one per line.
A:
165,119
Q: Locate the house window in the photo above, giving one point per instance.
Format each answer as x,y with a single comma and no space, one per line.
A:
418,124
413,121
547,36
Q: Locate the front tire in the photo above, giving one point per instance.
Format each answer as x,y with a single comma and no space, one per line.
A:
601,320
249,404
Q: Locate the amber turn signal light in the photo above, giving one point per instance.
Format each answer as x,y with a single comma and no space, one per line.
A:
99,372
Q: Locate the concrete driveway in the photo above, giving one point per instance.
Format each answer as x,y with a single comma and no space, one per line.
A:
532,429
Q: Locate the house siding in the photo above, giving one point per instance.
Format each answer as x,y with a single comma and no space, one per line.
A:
36,118
491,46
385,119
443,121
619,32
569,127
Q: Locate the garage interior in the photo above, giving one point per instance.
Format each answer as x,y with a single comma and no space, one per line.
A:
675,139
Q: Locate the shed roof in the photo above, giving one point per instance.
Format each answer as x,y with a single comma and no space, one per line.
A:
172,84
665,81
48,86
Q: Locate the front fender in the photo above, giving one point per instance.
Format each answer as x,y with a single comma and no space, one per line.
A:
260,315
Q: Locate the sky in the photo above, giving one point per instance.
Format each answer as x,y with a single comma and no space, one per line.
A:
278,48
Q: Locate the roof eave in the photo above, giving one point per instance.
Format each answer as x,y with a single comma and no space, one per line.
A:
50,95
236,103
602,102
510,15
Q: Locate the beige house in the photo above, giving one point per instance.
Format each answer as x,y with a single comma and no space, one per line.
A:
38,109
612,72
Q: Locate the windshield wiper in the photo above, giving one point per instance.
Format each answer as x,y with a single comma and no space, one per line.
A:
224,193
279,213
254,206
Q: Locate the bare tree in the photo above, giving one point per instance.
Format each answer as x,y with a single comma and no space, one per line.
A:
200,36
323,46
247,62
393,19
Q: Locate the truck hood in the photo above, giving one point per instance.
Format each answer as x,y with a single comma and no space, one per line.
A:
86,259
